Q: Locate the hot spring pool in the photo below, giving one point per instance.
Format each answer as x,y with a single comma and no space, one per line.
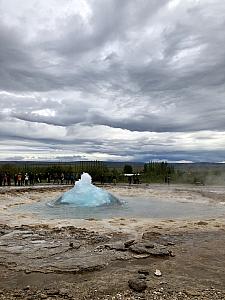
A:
86,201
131,207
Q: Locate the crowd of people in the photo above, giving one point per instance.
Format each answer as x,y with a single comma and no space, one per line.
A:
25,179
30,178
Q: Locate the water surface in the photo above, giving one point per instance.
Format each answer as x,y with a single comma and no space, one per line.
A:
131,208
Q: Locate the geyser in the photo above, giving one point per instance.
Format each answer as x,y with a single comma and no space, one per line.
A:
84,193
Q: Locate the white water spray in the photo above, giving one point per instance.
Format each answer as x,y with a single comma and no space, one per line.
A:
84,193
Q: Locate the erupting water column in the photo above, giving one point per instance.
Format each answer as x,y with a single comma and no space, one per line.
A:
84,193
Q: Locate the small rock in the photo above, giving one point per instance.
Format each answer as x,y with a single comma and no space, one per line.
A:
116,246
17,294
74,246
158,273
170,243
202,223
127,244
171,253
159,252
143,271
53,292
63,291
163,282
149,245
140,256
141,276
137,285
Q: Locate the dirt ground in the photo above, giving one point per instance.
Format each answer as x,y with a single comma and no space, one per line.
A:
111,258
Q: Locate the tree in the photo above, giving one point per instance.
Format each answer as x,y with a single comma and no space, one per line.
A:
128,169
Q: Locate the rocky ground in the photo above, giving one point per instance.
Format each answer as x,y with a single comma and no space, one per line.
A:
113,259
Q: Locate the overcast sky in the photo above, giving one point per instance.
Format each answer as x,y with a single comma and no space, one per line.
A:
117,80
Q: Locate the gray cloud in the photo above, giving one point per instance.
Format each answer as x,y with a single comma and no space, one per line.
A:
143,77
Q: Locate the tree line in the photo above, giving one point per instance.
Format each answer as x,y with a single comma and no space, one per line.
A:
159,172
151,172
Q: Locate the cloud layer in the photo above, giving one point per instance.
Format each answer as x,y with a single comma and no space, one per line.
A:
112,80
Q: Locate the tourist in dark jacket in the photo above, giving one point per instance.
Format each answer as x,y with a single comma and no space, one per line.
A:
8,179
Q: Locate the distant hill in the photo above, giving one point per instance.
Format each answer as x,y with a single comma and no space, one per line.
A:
199,166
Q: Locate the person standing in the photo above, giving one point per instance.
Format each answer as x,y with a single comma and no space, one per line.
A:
114,180
8,179
31,176
62,178
129,180
15,179
5,179
26,179
19,179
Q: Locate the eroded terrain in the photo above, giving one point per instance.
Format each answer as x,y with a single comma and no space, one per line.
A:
113,258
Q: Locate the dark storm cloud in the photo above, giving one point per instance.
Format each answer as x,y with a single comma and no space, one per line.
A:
128,67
